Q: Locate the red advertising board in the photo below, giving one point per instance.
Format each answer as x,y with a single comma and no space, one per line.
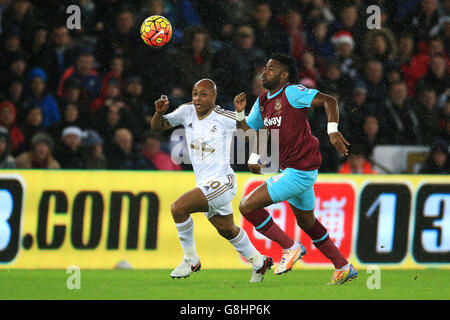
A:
335,205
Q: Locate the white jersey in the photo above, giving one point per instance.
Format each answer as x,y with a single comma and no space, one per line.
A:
208,140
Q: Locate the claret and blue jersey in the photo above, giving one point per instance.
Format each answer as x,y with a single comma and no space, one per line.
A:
287,110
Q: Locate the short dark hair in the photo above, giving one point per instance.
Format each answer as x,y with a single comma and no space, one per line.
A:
289,63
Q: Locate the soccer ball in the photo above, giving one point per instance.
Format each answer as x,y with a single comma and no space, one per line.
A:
156,31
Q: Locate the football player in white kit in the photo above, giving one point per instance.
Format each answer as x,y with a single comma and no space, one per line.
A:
208,131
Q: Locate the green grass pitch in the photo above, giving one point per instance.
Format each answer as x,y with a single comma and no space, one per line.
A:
221,285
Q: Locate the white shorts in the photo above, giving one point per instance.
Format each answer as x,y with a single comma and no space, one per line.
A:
220,192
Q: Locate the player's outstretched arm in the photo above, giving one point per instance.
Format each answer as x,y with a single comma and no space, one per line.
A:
240,101
158,122
332,110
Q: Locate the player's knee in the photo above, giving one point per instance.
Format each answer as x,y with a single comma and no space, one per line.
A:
244,207
177,211
305,220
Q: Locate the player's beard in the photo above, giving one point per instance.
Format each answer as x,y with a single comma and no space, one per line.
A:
272,84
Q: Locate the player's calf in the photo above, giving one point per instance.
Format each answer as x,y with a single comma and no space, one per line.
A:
228,232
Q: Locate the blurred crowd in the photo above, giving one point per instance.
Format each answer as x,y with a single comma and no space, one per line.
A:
83,98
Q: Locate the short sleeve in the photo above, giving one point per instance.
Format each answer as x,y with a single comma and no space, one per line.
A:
254,119
300,96
231,125
178,116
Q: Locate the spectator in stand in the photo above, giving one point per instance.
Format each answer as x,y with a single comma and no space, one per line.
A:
349,61
269,35
400,122
414,65
16,70
72,93
39,96
427,114
71,117
69,154
110,118
84,73
314,10
153,156
437,76
115,73
20,15
357,161
112,91
59,56
141,111
371,134
320,43
293,25
31,125
16,96
354,112
8,121
40,156
437,48
245,57
438,161
393,75
195,57
335,81
308,69
119,40
231,12
93,150
7,161
124,154
381,45
374,79
423,19
11,47
349,22
37,47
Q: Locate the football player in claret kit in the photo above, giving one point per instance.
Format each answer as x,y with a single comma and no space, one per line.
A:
208,131
284,107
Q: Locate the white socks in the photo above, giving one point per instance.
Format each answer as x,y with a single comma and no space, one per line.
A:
186,236
243,245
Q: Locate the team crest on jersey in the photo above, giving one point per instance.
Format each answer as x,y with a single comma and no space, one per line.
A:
201,149
277,106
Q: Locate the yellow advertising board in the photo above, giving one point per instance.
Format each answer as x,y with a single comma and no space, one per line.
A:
95,219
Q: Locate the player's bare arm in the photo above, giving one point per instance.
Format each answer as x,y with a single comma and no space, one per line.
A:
332,110
240,101
158,122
